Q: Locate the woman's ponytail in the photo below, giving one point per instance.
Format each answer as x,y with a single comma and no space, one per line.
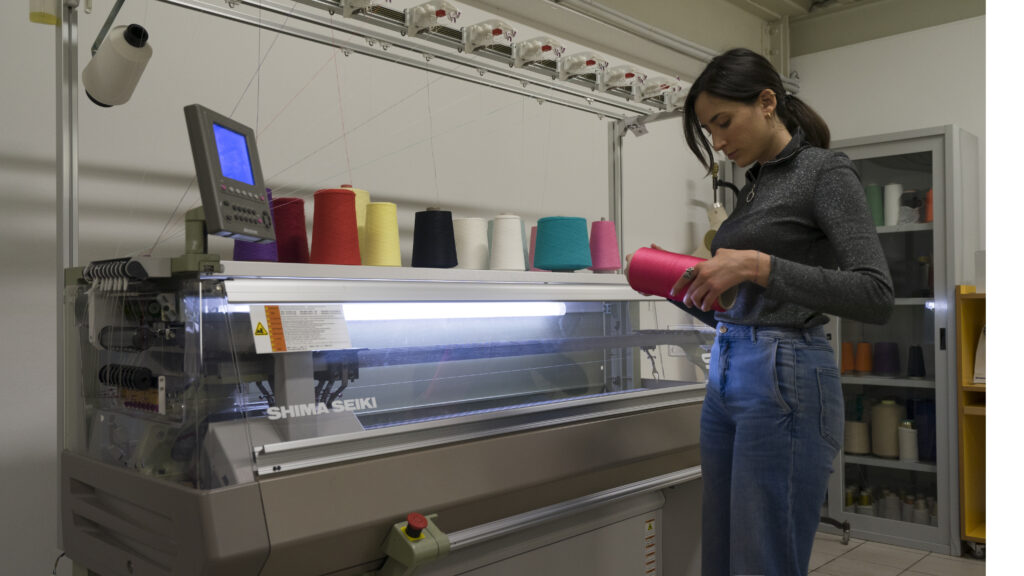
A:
795,113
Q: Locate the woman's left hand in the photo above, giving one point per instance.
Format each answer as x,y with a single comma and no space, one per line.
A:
713,277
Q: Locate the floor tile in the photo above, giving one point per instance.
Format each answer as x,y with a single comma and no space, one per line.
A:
818,559
844,566
885,555
942,565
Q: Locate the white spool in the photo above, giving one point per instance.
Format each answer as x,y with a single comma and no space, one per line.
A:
856,439
507,243
921,511
908,444
893,194
907,513
867,510
885,419
893,509
471,243
112,74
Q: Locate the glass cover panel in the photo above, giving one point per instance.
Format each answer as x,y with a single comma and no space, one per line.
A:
172,380
134,397
901,495
416,362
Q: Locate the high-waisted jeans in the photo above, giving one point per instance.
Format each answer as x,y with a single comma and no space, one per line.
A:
772,422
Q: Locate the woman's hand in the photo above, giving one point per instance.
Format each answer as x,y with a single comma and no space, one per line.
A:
713,277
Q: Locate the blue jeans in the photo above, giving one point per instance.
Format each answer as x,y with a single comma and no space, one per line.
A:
772,422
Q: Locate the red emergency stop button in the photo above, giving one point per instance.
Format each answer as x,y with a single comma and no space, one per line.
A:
417,524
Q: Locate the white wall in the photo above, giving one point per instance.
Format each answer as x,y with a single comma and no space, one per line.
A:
921,79
492,152
28,395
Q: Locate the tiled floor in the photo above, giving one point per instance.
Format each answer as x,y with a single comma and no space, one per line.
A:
859,558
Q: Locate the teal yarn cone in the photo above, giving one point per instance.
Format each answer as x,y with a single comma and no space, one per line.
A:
562,244
875,203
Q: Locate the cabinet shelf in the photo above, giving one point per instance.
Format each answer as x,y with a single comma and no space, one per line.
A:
974,410
913,301
889,463
884,381
972,387
975,533
919,227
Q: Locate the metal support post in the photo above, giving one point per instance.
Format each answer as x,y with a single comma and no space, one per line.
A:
67,187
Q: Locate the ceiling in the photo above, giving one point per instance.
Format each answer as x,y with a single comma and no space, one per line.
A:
817,25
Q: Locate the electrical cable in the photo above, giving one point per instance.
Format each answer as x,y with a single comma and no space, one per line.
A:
57,561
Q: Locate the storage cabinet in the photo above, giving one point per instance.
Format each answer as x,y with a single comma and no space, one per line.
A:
970,324
895,480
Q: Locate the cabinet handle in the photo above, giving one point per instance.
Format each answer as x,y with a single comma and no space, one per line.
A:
942,338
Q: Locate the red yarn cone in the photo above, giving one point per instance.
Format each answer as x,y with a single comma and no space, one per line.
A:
335,230
656,271
290,230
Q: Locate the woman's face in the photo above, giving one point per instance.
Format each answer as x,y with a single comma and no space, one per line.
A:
740,131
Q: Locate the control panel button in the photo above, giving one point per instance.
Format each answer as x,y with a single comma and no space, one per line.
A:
417,524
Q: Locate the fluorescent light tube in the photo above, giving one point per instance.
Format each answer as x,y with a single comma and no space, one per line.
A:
363,311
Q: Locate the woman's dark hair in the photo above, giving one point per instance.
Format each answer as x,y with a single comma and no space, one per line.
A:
741,75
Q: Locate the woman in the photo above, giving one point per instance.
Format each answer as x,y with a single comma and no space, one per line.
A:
800,244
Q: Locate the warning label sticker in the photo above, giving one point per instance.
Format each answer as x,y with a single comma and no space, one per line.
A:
299,328
650,546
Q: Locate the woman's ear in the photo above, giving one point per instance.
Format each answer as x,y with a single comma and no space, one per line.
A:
767,101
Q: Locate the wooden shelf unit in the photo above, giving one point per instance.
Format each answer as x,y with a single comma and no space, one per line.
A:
970,320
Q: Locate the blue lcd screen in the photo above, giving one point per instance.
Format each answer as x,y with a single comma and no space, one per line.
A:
234,154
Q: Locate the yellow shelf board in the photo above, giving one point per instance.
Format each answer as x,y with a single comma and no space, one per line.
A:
975,533
973,387
974,410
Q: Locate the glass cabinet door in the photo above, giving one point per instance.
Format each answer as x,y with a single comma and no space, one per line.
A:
890,481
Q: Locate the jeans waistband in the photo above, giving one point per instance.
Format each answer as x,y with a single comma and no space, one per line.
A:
737,331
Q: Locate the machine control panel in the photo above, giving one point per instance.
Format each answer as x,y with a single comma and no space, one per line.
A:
229,175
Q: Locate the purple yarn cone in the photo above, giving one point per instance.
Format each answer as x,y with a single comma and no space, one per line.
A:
887,359
252,252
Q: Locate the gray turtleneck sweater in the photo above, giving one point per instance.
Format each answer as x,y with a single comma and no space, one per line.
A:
807,211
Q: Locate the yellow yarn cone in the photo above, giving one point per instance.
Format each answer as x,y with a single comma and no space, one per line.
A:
382,247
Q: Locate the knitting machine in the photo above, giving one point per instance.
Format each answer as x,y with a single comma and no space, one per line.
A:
290,419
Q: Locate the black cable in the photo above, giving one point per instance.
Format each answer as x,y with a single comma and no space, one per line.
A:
57,561
266,392
716,184
334,396
731,186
